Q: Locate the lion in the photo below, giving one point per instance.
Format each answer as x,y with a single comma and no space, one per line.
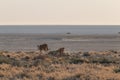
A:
61,51
43,47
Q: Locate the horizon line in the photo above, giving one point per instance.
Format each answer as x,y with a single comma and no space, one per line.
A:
56,25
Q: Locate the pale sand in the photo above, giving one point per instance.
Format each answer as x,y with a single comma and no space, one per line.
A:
28,42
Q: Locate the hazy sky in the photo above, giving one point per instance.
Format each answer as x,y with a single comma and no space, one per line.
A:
79,12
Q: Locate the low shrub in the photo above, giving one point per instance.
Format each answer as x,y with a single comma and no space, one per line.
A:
4,59
117,70
86,54
76,60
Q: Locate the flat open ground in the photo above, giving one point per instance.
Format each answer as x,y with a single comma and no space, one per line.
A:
28,42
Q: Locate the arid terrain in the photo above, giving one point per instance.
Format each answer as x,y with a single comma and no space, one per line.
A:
64,57
50,65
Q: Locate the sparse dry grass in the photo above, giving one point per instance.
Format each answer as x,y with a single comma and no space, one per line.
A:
78,66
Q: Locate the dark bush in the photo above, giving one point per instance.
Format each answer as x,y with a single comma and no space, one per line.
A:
86,54
117,70
22,75
104,60
4,59
76,60
51,78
